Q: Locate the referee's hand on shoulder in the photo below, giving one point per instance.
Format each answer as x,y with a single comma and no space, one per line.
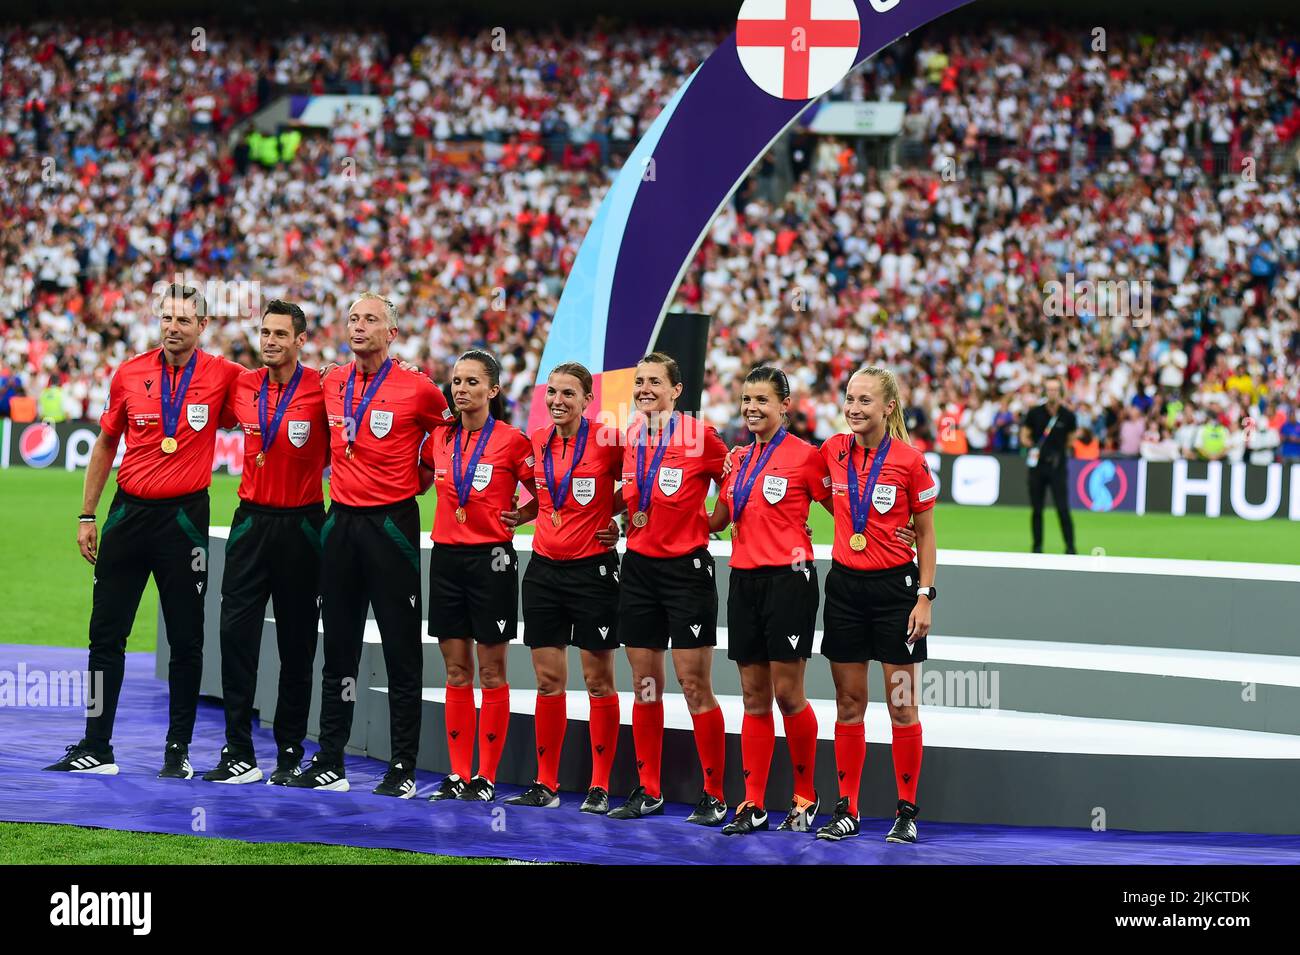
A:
727,461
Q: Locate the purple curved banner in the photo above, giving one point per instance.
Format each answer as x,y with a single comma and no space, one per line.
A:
698,150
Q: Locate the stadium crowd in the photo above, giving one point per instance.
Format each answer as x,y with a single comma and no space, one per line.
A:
1029,163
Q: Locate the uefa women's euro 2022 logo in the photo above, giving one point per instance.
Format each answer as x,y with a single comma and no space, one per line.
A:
1102,485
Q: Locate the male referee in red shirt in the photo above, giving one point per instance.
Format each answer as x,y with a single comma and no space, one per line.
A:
167,402
274,546
378,414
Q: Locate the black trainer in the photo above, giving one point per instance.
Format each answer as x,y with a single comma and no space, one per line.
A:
450,788
233,770
749,818
80,758
320,774
596,803
176,762
904,823
843,824
801,816
709,811
398,782
536,795
638,804
287,766
478,789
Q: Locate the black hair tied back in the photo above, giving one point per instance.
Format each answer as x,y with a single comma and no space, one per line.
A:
497,405
772,375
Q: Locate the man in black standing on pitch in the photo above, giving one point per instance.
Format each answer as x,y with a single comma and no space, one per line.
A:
1045,434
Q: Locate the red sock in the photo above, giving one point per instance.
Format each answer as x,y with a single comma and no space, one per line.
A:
850,754
604,738
907,760
492,730
757,740
711,743
648,735
550,719
459,715
801,735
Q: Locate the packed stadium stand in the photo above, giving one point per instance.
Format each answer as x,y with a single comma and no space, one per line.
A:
1124,217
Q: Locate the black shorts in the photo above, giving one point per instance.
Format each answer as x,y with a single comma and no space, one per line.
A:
474,592
668,601
771,614
866,615
571,602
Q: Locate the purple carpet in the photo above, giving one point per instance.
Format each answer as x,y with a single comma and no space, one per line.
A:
135,800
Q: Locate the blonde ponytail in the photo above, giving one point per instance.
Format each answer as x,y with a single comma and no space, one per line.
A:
894,424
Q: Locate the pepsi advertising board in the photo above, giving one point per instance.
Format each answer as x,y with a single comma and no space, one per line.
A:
66,446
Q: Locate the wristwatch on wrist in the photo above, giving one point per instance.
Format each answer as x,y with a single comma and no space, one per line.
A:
930,592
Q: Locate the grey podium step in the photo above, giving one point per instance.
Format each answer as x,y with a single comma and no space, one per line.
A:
1049,651
1023,768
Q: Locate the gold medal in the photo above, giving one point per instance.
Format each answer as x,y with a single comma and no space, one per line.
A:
347,452
168,445
858,542
640,519
460,515
261,458
555,518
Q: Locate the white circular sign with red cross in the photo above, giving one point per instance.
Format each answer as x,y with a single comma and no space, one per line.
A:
797,49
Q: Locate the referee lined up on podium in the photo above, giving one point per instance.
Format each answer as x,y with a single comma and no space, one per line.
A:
378,414
273,551
166,402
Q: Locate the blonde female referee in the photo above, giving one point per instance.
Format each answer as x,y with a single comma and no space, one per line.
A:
878,599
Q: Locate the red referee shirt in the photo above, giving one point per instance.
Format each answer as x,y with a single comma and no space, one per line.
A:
383,467
135,407
507,460
677,522
773,530
905,487
291,475
590,503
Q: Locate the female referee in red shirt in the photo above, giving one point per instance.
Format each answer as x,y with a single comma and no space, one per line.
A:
570,590
877,598
477,467
773,597
668,595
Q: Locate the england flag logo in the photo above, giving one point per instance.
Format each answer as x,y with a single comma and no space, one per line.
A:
797,49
